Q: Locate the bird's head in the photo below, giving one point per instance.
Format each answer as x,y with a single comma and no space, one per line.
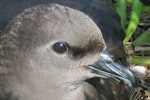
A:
51,46
48,47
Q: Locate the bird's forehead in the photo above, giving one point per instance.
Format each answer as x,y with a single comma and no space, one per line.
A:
74,33
44,24
73,26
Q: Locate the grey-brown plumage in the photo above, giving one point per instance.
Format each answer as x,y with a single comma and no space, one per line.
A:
100,11
31,67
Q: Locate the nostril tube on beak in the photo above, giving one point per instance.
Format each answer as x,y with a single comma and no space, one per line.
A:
106,67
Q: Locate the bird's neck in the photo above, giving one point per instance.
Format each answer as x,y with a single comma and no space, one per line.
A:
70,91
34,92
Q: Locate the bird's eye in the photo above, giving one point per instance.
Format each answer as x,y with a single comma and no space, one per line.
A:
61,47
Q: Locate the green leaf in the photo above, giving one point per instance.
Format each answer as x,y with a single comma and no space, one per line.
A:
134,20
121,10
140,60
143,38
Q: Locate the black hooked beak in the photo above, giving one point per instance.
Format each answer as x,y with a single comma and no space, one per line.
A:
106,67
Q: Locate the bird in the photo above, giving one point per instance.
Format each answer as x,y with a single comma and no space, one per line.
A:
50,52
45,54
100,11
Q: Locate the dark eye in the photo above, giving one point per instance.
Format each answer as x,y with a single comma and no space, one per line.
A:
61,47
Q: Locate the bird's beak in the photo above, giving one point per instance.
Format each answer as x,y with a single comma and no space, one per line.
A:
106,67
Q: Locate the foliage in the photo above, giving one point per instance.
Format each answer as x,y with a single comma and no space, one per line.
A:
142,42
